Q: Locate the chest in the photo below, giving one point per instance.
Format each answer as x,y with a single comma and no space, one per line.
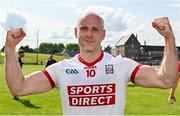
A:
91,86
90,74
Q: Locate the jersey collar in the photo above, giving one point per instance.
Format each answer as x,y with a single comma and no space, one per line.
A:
91,63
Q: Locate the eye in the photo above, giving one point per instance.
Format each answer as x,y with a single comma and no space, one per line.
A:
95,29
84,28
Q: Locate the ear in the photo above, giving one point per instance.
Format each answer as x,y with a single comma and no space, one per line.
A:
103,34
75,32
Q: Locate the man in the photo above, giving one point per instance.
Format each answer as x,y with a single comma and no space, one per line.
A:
92,82
50,61
172,97
19,58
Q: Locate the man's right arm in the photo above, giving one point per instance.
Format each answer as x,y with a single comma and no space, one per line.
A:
19,85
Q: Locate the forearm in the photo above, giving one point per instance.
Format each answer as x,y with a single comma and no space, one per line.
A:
13,73
172,92
169,65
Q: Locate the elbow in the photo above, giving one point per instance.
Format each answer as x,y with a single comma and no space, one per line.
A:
16,89
169,84
169,81
16,92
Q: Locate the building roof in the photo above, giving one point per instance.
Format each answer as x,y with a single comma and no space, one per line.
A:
68,53
124,39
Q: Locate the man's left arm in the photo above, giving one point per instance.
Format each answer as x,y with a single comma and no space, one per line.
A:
166,75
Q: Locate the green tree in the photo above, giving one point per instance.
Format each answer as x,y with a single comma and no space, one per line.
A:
72,48
27,49
2,49
51,48
108,49
60,47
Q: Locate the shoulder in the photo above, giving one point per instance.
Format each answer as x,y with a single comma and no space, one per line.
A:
120,61
117,59
71,61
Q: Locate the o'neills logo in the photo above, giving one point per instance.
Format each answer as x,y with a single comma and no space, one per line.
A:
91,95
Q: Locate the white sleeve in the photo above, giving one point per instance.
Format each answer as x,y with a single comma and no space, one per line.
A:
132,68
51,73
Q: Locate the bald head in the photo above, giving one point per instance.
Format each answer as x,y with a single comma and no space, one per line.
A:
90,15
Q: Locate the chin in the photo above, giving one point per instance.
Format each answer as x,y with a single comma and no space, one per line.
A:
89,50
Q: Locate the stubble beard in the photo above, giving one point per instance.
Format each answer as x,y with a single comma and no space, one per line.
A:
95,48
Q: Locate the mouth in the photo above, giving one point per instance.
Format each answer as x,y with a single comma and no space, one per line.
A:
89,41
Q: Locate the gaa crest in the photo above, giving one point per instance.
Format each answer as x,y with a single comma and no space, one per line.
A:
109,69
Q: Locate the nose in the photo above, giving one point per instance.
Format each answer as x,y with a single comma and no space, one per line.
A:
89,33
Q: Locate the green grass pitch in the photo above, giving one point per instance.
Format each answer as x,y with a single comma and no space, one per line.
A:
139,101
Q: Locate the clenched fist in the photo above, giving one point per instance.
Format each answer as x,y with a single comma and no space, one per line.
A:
162,25
14,36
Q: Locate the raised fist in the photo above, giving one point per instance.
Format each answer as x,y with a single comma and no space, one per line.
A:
162,25
14,36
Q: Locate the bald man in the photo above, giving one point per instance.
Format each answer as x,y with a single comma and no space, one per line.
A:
92,82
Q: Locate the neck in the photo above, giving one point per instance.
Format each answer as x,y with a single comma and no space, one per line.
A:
90,56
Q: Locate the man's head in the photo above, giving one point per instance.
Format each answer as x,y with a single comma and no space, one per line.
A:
90,32
21,53
50,56
90,14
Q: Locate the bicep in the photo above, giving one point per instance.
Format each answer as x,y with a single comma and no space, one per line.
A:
35,83
148,76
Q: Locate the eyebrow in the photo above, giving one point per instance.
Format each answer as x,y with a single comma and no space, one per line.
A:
94,27
82,27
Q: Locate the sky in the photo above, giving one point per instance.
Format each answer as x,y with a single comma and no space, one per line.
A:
54,20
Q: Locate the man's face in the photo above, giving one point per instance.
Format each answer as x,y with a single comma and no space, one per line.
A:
21,55
90,33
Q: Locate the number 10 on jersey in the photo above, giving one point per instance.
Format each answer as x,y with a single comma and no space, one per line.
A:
91,73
